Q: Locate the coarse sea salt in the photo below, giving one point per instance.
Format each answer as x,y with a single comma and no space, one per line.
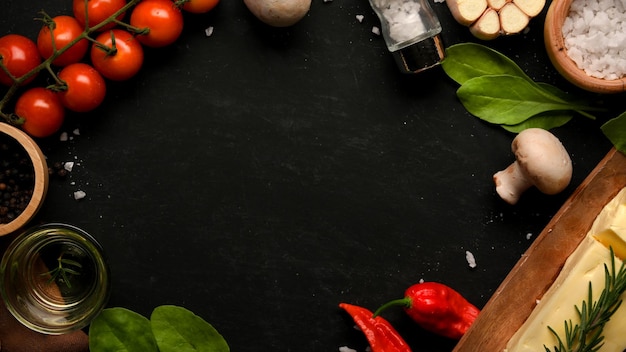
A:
594,32
471,261
78,195
346,349
403,17
68,165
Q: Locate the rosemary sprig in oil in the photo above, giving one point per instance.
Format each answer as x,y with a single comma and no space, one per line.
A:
586,336
65,268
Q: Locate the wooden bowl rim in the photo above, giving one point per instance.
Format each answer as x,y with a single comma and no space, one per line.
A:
557,52
41,178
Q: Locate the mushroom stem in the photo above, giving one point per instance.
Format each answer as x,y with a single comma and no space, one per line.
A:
540,161
511,183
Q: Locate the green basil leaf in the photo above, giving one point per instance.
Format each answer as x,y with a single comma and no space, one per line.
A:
177,329
465,61
121,330
508,100
547,120
614,131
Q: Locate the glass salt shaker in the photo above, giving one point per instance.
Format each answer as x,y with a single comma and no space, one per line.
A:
412,33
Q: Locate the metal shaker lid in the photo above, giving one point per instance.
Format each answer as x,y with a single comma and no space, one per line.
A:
420,56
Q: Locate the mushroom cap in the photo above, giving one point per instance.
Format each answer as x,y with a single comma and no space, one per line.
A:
279,13
543,160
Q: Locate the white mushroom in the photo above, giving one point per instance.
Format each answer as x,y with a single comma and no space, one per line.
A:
541,161
279,13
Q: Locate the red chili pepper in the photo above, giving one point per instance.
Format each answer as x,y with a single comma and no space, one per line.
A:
381,336
436,308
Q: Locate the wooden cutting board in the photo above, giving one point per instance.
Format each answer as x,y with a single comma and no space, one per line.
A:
533,274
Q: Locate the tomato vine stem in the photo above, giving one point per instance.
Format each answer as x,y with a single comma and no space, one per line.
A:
13,119
180,3
133,29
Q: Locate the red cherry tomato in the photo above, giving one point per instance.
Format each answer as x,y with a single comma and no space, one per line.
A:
19,55
42,111
124,62
66,30
97,11
162,17
86,88
199,6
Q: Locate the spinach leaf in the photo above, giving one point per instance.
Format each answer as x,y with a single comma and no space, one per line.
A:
614,131
556,92
121,330
508,100
465,61
177,329
547,120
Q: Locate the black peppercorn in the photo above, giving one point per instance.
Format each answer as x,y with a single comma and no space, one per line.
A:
57,169
17,179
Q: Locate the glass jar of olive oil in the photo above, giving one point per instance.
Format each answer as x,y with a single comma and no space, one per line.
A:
54,278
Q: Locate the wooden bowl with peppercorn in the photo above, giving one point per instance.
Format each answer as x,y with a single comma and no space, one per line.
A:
23,179
581,51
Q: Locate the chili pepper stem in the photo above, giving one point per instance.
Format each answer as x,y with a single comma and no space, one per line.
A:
402,302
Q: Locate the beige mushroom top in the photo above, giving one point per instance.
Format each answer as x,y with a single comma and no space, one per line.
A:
541,161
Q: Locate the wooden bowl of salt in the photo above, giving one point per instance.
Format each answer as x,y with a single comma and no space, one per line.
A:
37,160
587,52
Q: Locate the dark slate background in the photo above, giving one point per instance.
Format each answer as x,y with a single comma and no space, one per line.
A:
260,176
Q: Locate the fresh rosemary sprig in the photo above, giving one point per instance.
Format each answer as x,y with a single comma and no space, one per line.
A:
586,336
63,270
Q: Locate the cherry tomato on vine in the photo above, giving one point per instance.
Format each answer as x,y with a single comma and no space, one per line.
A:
19,55
199,6
162,17
97,11
119,62
42,111
86,88
66,30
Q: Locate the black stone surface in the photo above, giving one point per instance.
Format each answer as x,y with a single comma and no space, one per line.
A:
261,176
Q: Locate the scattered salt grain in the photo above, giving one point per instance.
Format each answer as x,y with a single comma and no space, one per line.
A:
209,31
325,1
63,137
346,349
76,132
529,236
376,30
594,32
469,256
68,166
360,18
78,195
